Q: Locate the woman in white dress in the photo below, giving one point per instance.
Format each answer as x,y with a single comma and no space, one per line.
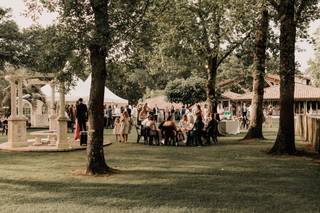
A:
125,126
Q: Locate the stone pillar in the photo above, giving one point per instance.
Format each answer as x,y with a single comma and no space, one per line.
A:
305,107
20,107
299,107
13,98
62,130
62,102
17,131
53,116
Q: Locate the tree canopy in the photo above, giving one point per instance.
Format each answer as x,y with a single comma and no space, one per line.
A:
10,40
187,91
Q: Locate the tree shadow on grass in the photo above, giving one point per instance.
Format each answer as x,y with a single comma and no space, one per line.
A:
308,153
213,190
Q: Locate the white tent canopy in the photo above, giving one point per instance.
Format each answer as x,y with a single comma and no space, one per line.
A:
82,90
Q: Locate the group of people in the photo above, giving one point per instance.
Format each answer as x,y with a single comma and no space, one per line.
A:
77,117
118,118
122,127
177,114
4,125
192,125
243,112
196,127
112,112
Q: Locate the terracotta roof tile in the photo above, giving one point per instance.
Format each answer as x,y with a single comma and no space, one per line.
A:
230,95
302,92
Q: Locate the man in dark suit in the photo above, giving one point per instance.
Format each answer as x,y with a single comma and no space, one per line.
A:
82,115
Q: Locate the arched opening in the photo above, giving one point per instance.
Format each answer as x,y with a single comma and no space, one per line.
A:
27,111
44,109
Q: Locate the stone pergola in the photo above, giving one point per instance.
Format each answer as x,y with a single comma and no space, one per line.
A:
17,134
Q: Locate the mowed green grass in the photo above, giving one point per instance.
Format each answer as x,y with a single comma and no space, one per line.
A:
233,176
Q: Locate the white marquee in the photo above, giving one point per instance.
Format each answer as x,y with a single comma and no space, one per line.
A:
82,90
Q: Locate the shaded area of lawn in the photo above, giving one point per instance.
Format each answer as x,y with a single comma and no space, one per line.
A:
233,176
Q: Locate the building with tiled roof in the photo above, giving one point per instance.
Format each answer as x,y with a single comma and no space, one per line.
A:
305,96
230,95
301,93
274,79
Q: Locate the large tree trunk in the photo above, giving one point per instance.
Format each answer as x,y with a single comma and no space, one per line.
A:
256,116
213,62
211,84
96,163
285,142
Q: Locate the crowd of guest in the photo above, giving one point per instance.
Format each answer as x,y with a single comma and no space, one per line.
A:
111,112
242,112
122,127
71,115
4,125
115,117
190,125
77,117
196,126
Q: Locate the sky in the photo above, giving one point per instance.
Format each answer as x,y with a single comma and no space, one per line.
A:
18,8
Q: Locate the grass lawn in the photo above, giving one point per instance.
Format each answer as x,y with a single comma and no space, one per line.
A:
232,176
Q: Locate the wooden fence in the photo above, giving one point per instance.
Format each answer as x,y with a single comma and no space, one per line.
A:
308,127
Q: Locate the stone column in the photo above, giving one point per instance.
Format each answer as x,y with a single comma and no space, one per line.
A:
17,131
62,130
53,98
53,116
299,108
20,107
13,98
305,107
62,102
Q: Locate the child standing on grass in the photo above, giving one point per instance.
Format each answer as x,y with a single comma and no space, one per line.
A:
124,126
117,129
